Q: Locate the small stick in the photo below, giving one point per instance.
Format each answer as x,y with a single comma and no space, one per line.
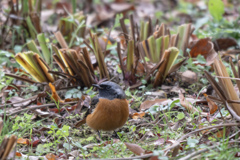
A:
37,107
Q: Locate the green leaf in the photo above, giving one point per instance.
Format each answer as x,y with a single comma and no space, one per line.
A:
68,146
119,70
90,138
128,93
216,8
201,59
192,142
156,108
146,59
6,53
180,115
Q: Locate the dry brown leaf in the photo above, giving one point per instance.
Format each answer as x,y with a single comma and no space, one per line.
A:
212,105
154,158
137,115
55,96
18,99
186,104
18,154
23,141
81,122
71,99
136,149
148,103
204,47
224,43
121,7
159,142
220,134
51,156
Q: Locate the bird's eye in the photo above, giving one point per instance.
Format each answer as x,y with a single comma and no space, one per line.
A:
108,87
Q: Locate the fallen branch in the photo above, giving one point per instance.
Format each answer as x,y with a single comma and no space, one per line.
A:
20,78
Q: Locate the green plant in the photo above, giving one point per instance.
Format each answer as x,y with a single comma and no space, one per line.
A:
110,150
73,93
216,8
23,124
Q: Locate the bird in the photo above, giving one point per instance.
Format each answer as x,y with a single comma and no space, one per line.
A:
111,110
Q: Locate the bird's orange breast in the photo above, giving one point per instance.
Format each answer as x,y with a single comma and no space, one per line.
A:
109,114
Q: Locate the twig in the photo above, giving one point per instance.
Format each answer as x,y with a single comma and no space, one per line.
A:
233,113
37,107
6,104
197,153
201,151
238,79
20,78
143,137
199,130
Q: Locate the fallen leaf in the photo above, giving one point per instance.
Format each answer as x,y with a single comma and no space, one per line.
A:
23,141
154,158
71,99
74,153
220,134
186,104
18,99
237,154
225,43
148,103
35,141
18,154
51,156
212,105
81,122
137,115
55,110
121,7
41,113
136,149
159,142
204,47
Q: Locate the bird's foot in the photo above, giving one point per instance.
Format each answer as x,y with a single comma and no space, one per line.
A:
115,135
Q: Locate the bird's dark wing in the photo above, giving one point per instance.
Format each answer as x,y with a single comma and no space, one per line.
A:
94,102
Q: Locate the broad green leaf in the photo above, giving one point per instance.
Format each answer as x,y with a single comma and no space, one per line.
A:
180,115
216,8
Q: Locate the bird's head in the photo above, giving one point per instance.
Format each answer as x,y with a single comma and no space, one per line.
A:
110,90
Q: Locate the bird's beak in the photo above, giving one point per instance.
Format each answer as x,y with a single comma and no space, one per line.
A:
97,86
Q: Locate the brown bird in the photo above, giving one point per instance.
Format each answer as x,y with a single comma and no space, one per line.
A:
111,110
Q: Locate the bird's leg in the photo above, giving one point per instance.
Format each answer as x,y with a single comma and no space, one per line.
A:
99,134
116,135
99,138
